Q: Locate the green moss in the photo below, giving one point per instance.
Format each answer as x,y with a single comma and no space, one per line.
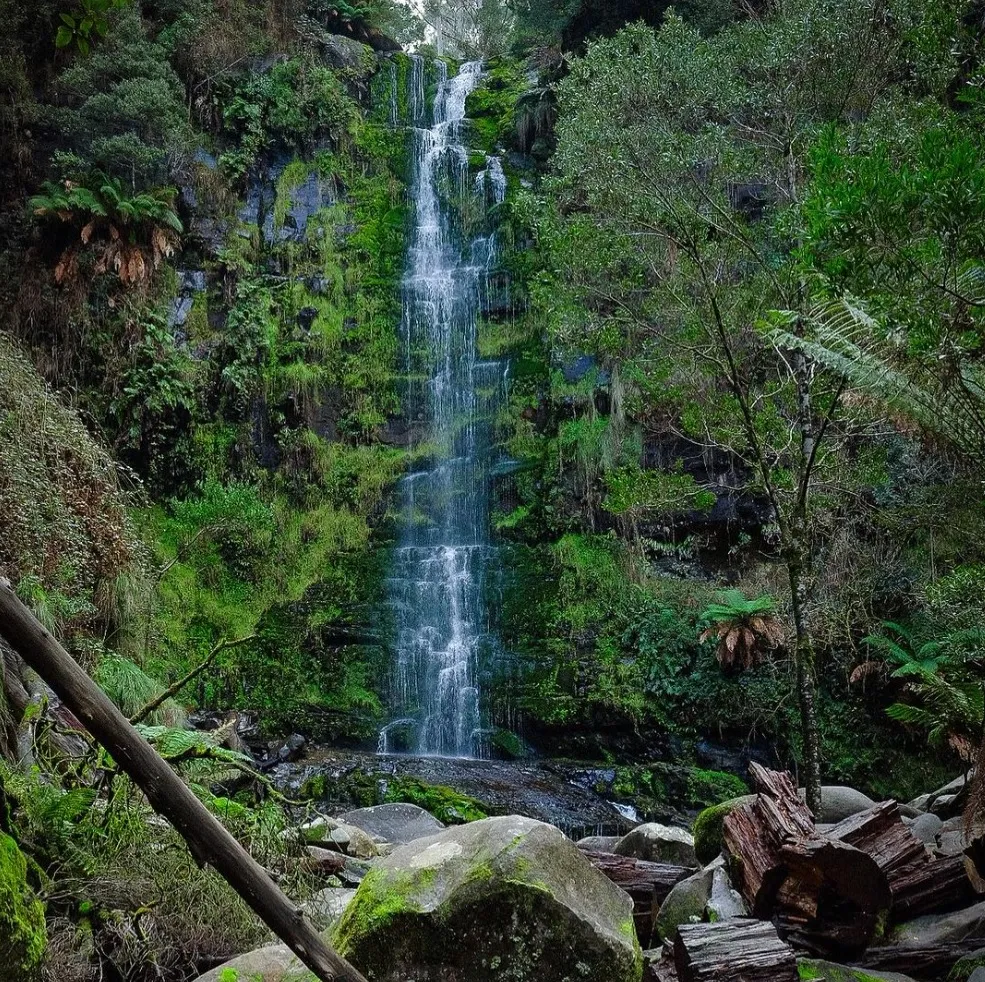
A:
707,830
23,937
377,902
446,804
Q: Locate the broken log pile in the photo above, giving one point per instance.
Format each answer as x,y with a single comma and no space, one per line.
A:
835,893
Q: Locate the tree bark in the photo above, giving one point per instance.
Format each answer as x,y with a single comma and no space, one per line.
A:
207,840
746,950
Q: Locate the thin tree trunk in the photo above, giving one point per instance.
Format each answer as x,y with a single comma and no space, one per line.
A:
207,839
806,685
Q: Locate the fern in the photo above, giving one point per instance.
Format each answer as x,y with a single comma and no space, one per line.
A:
943,395
177,745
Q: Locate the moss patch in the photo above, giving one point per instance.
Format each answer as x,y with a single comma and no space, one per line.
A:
707,830
23,938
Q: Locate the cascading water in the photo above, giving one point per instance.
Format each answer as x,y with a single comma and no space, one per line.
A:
436,582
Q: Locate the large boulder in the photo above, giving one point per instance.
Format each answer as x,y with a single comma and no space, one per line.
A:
966,966
398,822
725,902
839,802
502,898
941,929
658,843
598,843
809,968
22,927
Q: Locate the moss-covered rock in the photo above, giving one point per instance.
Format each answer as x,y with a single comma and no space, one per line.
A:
22,929
707,829
501,900
808,968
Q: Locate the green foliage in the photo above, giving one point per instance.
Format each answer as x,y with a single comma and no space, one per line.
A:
446,804
86,23
122,109
131,689
286,107
709,788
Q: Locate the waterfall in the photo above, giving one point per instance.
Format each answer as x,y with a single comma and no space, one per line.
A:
436,581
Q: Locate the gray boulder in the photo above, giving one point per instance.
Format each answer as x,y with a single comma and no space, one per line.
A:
978,975
502,898
598,843
939,929
839,802
274,963
810,968
725,902
685,904
327,906
398,822
954,836
658,843
966,966
926,828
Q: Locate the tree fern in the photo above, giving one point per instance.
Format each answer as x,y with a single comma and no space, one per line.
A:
945,395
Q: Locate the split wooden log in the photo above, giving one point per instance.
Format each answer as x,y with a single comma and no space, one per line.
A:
733,951
638,874
915,961
880,833
937,886
208,841
918,882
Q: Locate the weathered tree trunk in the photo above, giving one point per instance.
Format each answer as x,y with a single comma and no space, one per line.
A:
918,961
755,833
208,841
733,951
832,898
827,895
937,886
880,832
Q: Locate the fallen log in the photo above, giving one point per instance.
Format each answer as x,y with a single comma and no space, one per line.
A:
733,951
637,874
936,886
207,839
917,961
880,833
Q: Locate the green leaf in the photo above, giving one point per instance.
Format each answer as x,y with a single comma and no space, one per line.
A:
68,20
63,38
83,45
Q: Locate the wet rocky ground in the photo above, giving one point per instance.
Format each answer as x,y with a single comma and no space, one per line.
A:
574,797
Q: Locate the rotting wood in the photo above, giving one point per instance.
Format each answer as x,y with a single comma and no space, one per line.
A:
733,951
207,839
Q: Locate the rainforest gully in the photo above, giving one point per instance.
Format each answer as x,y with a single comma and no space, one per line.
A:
492,490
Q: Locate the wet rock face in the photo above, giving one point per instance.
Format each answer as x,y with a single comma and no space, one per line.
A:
501,900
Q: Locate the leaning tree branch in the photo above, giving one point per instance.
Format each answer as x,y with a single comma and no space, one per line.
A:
208,841
173,690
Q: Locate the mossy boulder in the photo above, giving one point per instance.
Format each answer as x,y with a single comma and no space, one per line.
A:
499,900
967,965
685,904
273,963
707,829
23,938
809,968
